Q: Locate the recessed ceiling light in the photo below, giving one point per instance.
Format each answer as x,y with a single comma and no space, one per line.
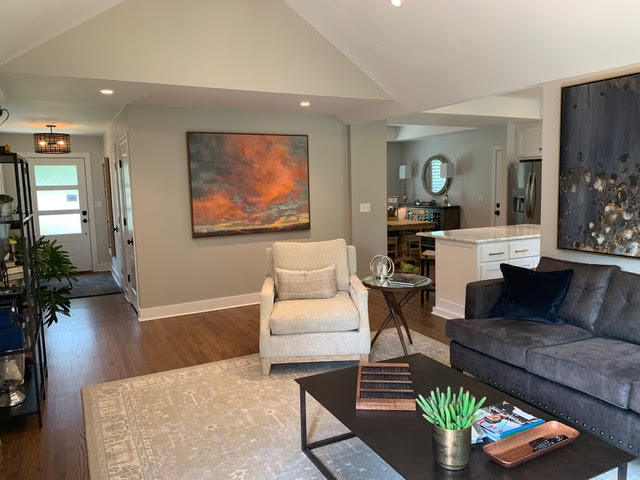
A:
106,91
305,103
396,3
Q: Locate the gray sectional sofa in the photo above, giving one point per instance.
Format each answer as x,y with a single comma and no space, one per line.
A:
585,371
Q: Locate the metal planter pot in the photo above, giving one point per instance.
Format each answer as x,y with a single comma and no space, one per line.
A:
451,448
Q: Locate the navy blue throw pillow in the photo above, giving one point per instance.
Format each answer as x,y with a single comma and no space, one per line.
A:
531,295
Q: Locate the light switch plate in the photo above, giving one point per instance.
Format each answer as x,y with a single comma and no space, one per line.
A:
365,207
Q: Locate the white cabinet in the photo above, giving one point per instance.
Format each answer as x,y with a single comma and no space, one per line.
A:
464,256
529,140
521,253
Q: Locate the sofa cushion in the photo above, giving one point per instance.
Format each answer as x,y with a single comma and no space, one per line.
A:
531,295
312,256
620,316
634,397
601,367
587,291
507,339
303,284
337,314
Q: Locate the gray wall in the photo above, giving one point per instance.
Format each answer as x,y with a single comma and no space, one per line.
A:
470,152
172,266
368,163
79,144
394,159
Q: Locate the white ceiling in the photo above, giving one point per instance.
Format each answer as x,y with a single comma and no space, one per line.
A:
433,53
76,106
425,55
27,23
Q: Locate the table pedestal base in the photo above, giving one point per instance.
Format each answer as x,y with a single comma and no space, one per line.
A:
395,314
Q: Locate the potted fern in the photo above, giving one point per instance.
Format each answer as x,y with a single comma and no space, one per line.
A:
451,416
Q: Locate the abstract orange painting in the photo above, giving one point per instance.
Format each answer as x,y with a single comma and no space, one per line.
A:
248,183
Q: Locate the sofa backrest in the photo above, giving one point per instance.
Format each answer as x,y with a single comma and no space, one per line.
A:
620,316
312,256
587,291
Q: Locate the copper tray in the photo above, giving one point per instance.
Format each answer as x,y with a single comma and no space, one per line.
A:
513,451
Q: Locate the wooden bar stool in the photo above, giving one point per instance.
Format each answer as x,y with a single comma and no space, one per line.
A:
427,258
392,247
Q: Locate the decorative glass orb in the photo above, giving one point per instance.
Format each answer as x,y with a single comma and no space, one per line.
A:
381,266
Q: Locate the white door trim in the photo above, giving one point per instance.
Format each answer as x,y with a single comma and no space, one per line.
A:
498,185
89,187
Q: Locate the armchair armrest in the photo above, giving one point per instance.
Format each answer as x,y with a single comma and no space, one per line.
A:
360,297
267,297
482,297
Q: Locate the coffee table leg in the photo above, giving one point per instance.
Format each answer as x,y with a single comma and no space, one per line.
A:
622,471
308,447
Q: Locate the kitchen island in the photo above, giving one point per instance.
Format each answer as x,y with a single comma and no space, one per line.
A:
471,254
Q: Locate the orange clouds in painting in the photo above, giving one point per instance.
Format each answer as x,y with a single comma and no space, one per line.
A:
243,183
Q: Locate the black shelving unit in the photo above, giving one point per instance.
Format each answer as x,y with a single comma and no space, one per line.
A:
25,296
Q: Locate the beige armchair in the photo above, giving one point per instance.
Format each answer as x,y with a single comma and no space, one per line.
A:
314,330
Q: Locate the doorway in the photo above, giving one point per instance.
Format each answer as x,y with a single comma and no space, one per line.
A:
63,204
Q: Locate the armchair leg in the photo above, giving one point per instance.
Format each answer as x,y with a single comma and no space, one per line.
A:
266,365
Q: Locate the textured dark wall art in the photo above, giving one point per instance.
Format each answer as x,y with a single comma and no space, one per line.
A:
599,199
248,183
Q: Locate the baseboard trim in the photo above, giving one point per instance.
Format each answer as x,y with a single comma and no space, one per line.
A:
102,267
199,306
448,310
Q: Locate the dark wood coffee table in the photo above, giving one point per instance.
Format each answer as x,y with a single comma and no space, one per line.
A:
403,439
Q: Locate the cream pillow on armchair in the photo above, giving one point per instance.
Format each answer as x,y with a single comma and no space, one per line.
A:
303,284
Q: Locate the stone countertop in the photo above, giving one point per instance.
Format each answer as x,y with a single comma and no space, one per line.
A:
487,234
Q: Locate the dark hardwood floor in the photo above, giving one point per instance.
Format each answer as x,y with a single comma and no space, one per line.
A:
103,341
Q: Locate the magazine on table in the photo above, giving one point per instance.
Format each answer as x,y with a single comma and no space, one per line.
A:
406,280
502,420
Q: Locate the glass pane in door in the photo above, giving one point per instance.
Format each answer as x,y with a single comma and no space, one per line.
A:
56,175
57,200
61,224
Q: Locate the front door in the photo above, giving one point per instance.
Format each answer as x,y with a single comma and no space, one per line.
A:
59,192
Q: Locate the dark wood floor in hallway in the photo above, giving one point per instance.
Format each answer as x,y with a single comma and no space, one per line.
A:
103,341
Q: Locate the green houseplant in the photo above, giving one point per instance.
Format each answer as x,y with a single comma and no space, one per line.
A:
52,263
451,415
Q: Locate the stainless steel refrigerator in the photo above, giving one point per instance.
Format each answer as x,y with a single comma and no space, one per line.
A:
524,191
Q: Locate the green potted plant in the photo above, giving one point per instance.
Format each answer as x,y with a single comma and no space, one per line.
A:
408,268
451,416
52,263
6,205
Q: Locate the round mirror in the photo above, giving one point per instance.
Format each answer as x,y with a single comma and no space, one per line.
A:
436,177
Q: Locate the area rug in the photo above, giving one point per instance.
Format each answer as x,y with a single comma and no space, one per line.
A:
225,420
90,284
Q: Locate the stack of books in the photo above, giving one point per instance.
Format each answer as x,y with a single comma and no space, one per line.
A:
502,420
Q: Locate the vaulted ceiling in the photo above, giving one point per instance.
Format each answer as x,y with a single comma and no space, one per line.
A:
362,60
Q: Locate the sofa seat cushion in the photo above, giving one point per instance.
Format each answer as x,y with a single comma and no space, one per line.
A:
634,397
508,339
337,314
587,291
601,367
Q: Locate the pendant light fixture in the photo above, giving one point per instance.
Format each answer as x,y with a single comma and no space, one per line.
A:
52,142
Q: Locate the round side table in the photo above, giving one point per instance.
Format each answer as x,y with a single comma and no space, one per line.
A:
389,288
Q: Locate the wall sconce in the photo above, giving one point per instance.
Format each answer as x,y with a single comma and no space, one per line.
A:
404,173
52,142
